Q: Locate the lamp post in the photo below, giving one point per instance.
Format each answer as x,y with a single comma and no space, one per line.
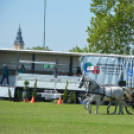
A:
44,23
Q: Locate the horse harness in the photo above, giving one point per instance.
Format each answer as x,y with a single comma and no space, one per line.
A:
103,92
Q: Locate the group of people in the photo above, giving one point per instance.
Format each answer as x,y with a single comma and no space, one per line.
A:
5,73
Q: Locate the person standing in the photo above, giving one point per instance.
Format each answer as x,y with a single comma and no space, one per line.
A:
5,74
22,69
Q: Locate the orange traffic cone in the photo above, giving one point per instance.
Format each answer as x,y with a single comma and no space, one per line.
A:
59,101
33,99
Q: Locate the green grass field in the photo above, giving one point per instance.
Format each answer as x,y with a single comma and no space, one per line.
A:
48,118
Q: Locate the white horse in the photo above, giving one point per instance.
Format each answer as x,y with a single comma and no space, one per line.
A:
109,93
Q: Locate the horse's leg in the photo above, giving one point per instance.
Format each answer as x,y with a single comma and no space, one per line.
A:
97,104
121,106
109,105
89,104
84,102
97,107
116,104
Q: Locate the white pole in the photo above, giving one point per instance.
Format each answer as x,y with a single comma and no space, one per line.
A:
44,22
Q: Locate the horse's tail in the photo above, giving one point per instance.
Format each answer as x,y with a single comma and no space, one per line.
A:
128,93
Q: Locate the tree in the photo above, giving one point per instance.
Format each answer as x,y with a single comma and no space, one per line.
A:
26,89
65,95
19,95
74,94
78,49
39,48
111,32
34,93
71,97
111,29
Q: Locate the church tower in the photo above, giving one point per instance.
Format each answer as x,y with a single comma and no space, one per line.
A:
19,43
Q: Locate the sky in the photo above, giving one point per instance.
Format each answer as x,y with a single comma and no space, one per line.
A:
66,22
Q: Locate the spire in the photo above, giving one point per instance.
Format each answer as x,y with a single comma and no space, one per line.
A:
19,39
19,43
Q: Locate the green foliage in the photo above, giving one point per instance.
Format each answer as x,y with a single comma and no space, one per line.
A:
9,94
85,49
65,96
35,89
74,94
19,95
111,27
76,49
39,48
34,94
26,83
71,97
26,89
66,87
25,94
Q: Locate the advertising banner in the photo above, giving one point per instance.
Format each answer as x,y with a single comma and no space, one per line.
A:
108,70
